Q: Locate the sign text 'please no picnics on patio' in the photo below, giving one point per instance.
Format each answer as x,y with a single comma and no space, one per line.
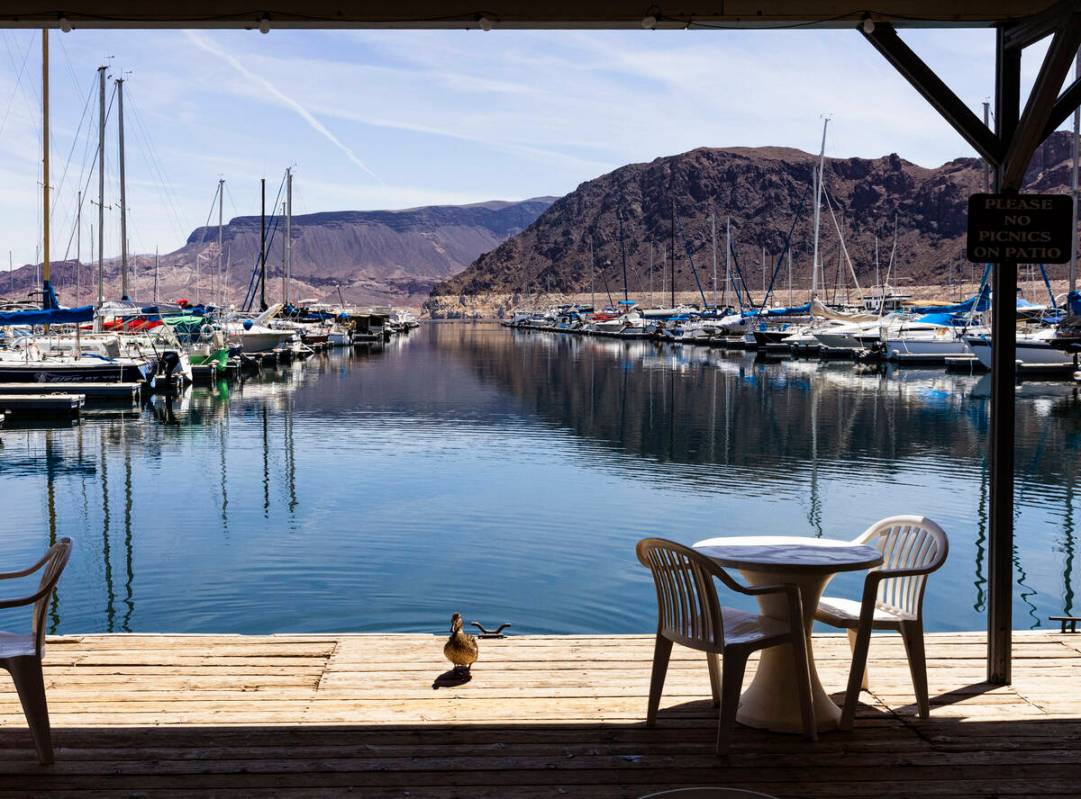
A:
1020,228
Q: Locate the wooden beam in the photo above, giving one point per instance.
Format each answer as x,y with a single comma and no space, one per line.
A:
1003,375
1023,33
1064,106
239,14
1041,102
933,89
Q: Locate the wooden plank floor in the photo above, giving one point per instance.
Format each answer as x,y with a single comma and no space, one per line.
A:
332,715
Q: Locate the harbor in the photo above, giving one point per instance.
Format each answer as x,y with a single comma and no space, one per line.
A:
459,422
525,416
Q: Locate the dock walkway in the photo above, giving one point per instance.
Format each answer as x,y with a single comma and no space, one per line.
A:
544,716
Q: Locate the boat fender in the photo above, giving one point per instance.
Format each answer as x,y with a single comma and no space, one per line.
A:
248,324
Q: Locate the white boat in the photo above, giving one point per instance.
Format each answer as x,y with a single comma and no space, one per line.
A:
1033,350
32,366
255,335
922,341
848,336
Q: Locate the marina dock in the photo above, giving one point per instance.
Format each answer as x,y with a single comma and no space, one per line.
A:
33,405
327,715
92,391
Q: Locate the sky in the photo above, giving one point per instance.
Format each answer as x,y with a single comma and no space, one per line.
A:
396,119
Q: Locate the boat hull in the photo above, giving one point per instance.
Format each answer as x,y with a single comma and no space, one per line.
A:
1030,353
46,372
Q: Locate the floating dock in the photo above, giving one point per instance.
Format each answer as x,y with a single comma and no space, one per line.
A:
22,405
111,391
543,716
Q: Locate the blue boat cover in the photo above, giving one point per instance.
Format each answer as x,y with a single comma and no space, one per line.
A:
50,316
1073,299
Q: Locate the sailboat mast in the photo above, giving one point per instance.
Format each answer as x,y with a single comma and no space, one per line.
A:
790,277
78,247
819,180
713,239
727,260
623,255
155,275
45,163
592,276
262,246
288,231
101,184
285,290
1072,281
221,231
123,193
672,266
652,298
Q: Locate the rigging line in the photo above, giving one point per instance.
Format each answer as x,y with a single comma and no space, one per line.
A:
71,68
19,72
67,162
841,236
156,166
93,169
232,202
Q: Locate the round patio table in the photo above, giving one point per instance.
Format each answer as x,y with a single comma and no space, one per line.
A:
772,701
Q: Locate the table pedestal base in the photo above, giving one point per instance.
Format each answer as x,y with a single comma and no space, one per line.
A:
771,701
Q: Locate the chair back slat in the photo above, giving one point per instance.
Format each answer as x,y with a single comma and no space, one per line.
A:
907,543
688,610
58,556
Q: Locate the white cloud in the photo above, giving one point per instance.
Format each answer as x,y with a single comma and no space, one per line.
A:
201,41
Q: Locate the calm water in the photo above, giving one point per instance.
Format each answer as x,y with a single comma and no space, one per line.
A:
507,476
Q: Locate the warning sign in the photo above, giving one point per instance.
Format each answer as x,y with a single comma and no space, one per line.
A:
1020,228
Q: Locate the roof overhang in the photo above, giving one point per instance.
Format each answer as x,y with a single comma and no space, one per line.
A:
551,14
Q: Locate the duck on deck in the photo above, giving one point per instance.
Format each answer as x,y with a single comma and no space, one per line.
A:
327,715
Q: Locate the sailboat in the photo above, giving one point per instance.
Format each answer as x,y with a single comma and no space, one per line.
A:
57,355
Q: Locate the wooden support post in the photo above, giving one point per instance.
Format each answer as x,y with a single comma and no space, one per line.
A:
1003,375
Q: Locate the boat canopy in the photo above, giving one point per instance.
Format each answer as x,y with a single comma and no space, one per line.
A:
975,304
48,316
1073,301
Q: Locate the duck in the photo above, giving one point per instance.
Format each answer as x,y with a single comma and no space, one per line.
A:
461,648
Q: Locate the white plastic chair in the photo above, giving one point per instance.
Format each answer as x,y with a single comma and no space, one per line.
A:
21,654
912,547
689,613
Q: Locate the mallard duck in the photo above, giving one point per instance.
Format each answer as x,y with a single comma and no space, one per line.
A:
461,648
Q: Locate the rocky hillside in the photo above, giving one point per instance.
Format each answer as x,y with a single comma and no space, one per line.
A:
763,191
392,257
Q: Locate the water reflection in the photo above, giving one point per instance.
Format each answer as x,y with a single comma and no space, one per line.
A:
508,475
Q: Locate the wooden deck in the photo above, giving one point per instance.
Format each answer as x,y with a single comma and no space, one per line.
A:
330,715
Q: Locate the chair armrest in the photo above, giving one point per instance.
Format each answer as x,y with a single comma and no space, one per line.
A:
25,572
882,574
26,600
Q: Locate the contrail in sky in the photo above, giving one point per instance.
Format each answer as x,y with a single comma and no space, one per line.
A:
201,41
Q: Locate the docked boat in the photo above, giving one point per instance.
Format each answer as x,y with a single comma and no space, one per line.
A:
31,366
1034,350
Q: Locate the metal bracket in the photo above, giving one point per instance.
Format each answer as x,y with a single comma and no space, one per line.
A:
486,633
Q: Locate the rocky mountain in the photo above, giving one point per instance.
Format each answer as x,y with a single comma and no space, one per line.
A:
376,257
765,192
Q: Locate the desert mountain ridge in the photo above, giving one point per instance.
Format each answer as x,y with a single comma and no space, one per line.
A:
373,257
765,192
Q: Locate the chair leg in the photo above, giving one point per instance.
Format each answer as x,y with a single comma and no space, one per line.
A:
865,683
661,653
735,663
856,672
912,634
803,683
30,684
714,661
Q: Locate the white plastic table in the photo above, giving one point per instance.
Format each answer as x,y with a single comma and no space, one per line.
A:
771,701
